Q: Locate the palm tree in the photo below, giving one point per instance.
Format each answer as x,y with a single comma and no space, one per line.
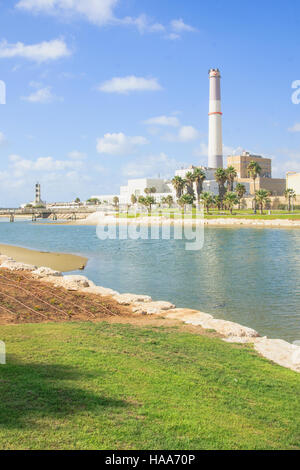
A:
167,200
254,171
207,199
189,183
218,202
231,175
199,177
262,197
133,199
221,178
290,194
185,199
231,199
178,184
147,201
116,201
240,190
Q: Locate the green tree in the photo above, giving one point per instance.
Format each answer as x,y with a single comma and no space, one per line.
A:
221,178
147,201
178,184
231,175
189,183
254,171
185,200
199,177
262,198
207,199
231,199
77,200
150,191
93,200
167,200
133,199
290,195
218,202
240,190
116,201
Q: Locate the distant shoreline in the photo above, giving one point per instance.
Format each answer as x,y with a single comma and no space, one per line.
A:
220,222
58,261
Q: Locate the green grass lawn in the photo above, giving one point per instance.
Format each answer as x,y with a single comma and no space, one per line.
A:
215,214
104,386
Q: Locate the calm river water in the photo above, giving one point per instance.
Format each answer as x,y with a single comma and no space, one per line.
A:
251,276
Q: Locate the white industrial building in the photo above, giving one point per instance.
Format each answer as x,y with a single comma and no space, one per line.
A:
215,157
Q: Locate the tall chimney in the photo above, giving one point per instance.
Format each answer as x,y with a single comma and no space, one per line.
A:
215,145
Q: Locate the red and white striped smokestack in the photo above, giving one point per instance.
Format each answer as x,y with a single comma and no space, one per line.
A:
215,145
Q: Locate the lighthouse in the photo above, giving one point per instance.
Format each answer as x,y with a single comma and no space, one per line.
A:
215,145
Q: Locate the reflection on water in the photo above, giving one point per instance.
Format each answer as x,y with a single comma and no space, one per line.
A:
251,276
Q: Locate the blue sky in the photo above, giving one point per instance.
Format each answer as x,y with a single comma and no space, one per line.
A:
102,91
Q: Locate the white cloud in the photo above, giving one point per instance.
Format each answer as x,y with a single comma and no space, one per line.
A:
143,24
171,121
173,36
22,165
41,52
99,12
76,155
43,95
125,85
295,128
119,144
152,165
2,138
185,134
179,26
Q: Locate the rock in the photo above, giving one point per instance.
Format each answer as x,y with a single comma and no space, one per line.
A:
277,350
151,308
4,258
188,315
224,327
15,266
44,272
127,299
75,282
103,291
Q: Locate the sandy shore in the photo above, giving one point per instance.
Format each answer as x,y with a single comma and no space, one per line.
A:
57,261
100,219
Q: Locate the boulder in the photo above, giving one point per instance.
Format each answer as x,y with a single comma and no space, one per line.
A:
4,258
152,308
75,282
103,291
277,350
224,327
44,272
15,266
127,299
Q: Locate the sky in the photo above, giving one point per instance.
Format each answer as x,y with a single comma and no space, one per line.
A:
100,91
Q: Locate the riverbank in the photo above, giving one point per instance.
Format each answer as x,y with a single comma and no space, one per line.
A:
57,261
277,350
99,218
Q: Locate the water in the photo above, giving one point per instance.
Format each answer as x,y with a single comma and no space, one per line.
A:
251,276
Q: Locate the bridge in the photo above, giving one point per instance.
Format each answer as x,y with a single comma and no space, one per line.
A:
46,213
